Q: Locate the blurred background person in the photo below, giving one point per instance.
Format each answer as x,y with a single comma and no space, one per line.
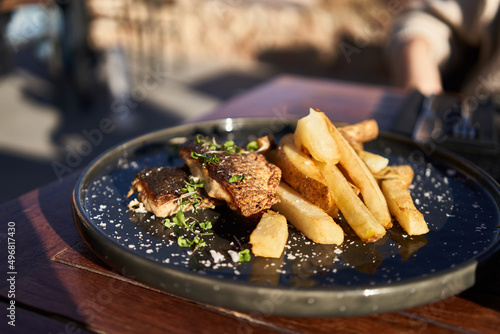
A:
445,45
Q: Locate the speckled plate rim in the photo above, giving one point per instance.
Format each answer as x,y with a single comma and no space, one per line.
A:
264,300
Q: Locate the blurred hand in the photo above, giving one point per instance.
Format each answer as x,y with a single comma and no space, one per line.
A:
415,68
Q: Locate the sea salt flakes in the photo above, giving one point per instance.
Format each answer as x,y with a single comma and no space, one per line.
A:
217,256
234,255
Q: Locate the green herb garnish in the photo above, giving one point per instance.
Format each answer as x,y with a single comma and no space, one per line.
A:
186,225
183,241
197,242
228,147
168,223
252,146
235,178
244,255
189,224
207,158
191,193
206,225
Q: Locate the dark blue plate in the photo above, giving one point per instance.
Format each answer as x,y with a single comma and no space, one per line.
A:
459,201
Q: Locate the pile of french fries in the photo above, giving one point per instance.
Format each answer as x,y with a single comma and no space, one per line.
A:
326,170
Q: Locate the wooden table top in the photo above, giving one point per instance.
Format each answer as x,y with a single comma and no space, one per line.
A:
60,286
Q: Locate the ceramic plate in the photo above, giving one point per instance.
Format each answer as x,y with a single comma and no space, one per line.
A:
459,202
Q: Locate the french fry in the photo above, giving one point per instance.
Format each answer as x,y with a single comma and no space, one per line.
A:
327,166
375,162
269,238
361,176
300,172
311,136
402,172
396,190
361,132
355,212
309,219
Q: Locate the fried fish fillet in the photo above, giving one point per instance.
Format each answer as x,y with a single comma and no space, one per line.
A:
246,181
160,188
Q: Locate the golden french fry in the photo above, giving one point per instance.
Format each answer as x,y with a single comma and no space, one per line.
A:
362,177
269,238
396,191
361,132
352,207
309,219
402,172
375,162
311,136
300,172
355,189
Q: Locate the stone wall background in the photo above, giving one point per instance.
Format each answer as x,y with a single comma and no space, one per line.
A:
320,35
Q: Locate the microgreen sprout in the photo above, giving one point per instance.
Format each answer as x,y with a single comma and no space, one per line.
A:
207,158
235,178
189,224
244,255
197,242
228,147
191,193
252,146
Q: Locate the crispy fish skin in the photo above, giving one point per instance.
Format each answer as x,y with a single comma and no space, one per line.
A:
159,189
252,195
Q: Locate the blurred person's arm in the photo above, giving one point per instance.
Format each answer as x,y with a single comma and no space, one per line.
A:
421,41
414,67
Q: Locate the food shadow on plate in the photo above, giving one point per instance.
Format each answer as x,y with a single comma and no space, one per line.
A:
367,257
302,263
228,236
